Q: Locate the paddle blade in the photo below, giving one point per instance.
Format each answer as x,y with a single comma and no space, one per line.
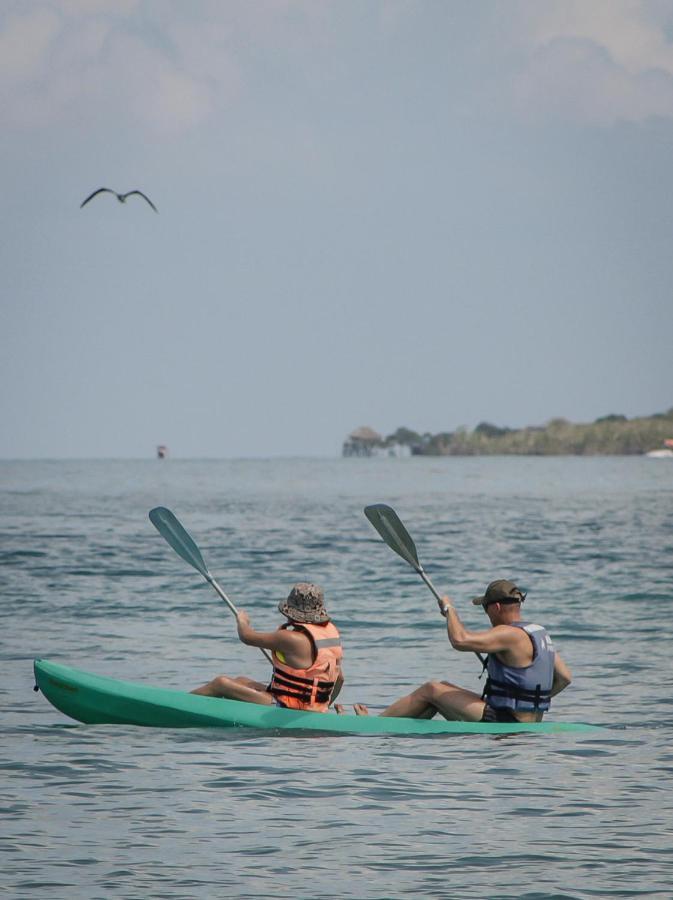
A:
388,524
172,531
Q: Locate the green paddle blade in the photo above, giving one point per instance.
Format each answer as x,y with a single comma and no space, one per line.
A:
172,531
388,524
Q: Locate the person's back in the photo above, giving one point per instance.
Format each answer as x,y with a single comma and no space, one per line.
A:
300,684
306,655
521,682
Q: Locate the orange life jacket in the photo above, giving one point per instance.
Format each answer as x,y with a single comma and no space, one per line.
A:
309,688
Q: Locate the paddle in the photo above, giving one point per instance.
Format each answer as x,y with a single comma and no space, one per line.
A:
173,532
388,524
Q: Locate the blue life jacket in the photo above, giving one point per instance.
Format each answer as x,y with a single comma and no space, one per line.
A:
527,688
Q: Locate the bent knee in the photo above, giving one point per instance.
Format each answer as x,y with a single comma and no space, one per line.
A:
435,688
427,690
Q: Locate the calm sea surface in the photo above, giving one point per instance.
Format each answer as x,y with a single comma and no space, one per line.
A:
111,811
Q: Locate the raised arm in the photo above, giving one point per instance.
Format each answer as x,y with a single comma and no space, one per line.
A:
280,640
294,647
492,641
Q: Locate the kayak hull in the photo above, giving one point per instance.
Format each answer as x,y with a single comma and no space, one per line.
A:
99,700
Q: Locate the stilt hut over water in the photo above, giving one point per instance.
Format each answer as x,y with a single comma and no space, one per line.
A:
362,442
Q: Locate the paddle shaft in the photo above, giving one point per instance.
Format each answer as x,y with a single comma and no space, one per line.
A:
175,534
209,578
421,572
389,525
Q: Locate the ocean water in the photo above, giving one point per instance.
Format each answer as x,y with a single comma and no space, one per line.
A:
110,811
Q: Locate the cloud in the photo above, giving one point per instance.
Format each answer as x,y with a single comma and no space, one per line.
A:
578,80
597,62
24,42
170,67
167,66
632,32
74,62
149,87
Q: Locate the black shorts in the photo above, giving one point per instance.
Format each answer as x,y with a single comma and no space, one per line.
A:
498,715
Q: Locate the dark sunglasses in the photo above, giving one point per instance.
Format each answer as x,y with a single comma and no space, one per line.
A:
507,600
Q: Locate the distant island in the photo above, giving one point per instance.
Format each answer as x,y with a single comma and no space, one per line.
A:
612,435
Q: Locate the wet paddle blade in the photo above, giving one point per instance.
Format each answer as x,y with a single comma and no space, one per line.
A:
173,532
386,521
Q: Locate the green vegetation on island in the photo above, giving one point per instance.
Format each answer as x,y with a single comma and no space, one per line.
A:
612,435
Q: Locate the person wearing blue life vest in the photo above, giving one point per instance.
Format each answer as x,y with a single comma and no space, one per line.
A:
523,670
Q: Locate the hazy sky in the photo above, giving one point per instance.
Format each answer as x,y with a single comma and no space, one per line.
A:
415,212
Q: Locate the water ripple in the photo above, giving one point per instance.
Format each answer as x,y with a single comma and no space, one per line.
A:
127,812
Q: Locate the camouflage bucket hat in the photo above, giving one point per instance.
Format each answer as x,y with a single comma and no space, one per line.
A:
500,591
305,603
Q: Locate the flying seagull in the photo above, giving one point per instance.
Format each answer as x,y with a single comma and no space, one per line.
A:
120,197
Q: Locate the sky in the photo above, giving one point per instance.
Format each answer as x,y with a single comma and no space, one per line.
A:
420,213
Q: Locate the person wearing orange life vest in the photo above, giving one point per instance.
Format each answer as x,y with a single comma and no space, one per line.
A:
306,653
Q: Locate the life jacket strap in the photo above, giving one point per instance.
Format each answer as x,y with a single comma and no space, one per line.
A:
304,696
305,689
496,688
299,680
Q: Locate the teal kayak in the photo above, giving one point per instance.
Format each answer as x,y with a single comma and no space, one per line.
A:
98,700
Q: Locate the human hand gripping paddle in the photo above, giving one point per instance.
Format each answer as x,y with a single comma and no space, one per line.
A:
173,532
388,524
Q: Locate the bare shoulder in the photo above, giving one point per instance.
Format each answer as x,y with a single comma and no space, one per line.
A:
508,638
510,634
297,646
296,637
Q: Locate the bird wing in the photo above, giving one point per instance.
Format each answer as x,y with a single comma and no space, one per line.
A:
140,194
99,191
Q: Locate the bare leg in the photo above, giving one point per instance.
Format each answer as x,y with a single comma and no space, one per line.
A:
250,682
240,688
438,696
